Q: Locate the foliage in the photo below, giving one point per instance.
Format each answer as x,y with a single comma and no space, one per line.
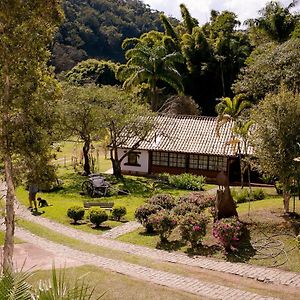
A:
28,92
163,222
97,28
81,116
165,201
198,199
267,67
93,71
76,213
193,228
180,105
276,23
245,195
143,213
97,216
150,61
228,232
118,212
187,181
277,120
14,285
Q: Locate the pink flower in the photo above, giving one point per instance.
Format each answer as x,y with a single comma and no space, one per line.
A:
196,228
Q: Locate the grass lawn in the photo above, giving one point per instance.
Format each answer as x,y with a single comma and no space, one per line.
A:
140,189
116,286
270,239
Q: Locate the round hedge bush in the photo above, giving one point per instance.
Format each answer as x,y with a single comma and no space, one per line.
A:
98,216
119,212
76,213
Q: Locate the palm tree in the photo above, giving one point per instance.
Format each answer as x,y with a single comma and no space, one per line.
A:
276,21
231,110
151,64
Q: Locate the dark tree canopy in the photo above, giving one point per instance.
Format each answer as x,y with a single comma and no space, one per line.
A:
97,28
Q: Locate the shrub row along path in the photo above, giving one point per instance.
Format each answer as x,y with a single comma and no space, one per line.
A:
263,274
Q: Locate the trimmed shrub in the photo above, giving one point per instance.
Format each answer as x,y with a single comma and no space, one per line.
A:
193,228
98,216
118,212
187,181
228,232
200,200
166,201
163,223
143,212
76,213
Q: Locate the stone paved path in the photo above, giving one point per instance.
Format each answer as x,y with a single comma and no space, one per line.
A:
263,274
120,230
183,283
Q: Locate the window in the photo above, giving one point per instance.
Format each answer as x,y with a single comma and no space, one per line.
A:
217,163
168,159
198,161
133,159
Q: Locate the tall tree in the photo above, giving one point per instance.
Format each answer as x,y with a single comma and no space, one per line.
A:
275,24
151,62
276,137
82,117
27,90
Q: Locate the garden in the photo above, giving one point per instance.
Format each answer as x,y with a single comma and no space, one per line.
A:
176,216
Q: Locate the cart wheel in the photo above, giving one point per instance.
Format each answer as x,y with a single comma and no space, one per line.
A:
87,188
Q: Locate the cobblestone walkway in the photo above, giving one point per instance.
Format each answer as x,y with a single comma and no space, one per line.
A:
183,283
120,230
263,274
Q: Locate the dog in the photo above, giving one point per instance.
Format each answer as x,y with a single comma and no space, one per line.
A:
42,202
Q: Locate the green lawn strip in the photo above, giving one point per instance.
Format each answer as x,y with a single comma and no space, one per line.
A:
2,236
198,273
116,286
69,195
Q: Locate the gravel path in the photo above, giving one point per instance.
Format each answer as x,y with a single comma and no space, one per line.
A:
120,230
183,283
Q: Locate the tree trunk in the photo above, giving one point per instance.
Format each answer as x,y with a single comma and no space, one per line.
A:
116,164
286,199
86,165
8,248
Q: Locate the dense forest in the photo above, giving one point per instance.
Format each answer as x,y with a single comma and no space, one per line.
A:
163,57
97,28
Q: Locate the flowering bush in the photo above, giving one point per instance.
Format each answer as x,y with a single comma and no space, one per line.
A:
193,228
163,223
166,201
183,208
228,232
143,213
198,199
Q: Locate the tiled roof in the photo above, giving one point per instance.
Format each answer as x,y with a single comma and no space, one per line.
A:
188,134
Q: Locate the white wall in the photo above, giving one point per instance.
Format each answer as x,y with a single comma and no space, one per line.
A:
143,160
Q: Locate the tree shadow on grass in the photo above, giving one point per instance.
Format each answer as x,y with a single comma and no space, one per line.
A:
169,245
293,219
244,251
203,250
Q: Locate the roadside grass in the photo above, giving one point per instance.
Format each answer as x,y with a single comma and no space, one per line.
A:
114,284
140,188
269,239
